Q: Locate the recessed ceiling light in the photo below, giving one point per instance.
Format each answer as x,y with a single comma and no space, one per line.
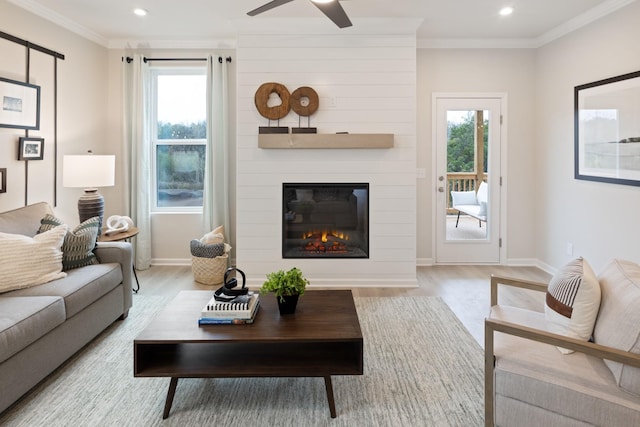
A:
140,12
505,11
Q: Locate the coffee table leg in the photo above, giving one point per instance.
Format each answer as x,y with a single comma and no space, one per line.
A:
172,391
329,388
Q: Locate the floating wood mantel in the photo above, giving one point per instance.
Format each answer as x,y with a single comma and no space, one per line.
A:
327,140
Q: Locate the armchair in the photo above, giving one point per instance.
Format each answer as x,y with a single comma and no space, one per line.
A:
471,203
528,382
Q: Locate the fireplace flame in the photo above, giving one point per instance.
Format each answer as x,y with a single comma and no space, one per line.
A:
324,237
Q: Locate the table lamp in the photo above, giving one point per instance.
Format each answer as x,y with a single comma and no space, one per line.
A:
89,172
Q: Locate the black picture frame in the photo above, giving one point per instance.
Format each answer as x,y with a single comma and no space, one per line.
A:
30,148
607,130
3,180
19,105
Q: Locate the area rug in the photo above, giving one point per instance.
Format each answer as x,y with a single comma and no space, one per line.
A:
421,368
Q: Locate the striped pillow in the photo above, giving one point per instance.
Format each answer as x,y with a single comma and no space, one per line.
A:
78,245
30,261
573,301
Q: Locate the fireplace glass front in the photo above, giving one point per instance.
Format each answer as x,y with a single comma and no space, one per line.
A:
325,220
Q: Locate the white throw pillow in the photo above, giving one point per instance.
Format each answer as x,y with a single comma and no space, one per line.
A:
214,237
30,261
573,301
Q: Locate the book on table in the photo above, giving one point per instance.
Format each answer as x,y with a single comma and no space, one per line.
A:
238,311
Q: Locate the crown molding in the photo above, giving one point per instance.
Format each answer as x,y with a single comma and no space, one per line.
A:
582,20
570,26
173,44
60,20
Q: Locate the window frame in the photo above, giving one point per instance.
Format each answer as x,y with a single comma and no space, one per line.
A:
155,72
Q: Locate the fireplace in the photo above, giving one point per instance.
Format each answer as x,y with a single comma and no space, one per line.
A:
325,220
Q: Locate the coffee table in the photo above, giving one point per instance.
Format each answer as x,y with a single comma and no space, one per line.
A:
323,338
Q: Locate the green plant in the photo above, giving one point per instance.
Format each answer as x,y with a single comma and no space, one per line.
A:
283,283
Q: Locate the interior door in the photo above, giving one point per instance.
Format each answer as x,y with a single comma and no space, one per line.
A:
468,137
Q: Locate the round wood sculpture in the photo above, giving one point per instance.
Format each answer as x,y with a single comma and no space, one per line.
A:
262,98
296,101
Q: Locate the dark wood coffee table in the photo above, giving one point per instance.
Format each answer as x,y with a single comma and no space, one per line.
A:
323,338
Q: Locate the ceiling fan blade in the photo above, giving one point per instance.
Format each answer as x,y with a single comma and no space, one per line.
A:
335,12
268,6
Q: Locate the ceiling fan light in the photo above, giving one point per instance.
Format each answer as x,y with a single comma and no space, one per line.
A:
322,1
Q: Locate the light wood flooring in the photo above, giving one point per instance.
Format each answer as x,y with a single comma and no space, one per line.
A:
465,289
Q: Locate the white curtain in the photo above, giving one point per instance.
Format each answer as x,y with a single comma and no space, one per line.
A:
216,184
137,155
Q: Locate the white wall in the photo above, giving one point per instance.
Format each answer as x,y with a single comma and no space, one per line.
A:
81,108
511,71
601,220
373,79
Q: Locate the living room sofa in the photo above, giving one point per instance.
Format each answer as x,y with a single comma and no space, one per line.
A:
42,326
529,381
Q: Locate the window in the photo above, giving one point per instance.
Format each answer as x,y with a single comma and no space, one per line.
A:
179,132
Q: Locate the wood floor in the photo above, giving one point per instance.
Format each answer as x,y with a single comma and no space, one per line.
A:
464,288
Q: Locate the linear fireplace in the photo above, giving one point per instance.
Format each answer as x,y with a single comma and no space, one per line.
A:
325,220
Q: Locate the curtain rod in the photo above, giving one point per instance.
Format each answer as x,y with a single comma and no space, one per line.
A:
145,59
30,45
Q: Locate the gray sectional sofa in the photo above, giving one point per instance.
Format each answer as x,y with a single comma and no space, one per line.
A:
42,326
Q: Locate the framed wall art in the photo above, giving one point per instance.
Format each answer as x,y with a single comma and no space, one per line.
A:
31,148
3,180
19,105
607,130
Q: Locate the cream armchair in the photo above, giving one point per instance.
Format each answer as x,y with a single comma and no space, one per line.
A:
471,203
528,382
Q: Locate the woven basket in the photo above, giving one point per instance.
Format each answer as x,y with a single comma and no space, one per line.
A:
209,271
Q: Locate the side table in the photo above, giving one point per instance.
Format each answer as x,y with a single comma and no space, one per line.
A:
126,236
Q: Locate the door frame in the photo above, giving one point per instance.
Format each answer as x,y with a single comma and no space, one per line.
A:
502,251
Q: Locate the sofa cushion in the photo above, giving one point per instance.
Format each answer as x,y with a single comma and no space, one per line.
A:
78,245
24,220
573,300
578,386
618,323
81,287
30,261
23,320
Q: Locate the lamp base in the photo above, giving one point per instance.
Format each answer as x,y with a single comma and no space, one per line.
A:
91,204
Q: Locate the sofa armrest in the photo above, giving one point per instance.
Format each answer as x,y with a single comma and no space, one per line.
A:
121,253
510,328
517,283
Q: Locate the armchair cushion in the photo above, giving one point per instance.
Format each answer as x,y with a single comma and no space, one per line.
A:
459,198
618,323
573,300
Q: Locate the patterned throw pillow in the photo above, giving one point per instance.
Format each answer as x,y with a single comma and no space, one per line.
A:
79,243
204,250
573,301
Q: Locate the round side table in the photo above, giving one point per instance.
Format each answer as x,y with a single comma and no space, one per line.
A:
123,236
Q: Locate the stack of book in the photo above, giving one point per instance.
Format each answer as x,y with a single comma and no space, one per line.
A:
241,310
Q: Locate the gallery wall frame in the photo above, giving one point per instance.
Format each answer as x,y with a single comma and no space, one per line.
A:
607,130
19,105
30,148
3,180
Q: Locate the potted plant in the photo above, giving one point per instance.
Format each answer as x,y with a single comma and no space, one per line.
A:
287,287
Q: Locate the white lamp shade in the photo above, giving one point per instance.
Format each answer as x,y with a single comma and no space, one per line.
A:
89,171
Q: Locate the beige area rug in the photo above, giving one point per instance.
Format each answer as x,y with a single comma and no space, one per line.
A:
421,368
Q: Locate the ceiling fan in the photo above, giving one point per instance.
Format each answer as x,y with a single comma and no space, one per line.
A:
331,8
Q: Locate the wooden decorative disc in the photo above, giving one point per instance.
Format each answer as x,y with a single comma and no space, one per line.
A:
262,98
304,92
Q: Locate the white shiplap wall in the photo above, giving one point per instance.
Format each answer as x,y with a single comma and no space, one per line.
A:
371,80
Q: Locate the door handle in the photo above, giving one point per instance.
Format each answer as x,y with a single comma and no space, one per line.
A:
441,189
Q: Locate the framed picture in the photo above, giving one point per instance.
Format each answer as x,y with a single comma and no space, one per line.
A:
31,149
3,180
607,130
19,105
